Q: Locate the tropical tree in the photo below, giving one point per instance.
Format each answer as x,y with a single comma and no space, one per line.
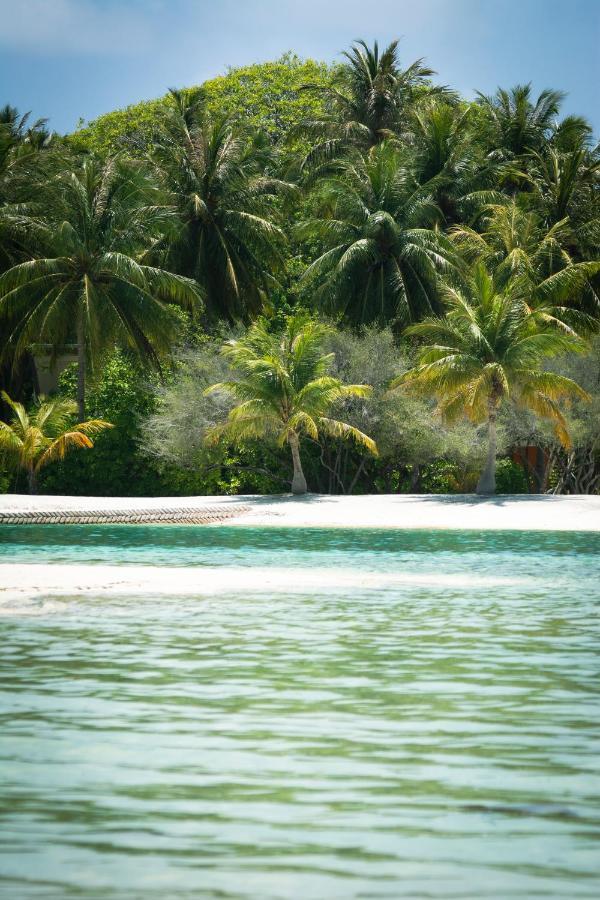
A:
516,123
369,102
284,392
516,245
225,236
82,282
381,256
32,440
489,349
566,184
17,126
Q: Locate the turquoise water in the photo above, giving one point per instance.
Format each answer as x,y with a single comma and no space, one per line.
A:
419,740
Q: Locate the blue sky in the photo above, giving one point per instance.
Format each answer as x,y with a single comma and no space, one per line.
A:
70,58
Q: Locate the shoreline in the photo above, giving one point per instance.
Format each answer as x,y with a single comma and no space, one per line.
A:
527,512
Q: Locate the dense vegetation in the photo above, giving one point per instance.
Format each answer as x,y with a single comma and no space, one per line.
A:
346,251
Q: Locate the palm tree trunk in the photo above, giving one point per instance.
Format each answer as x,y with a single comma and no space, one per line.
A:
80,367
298,481
32,481
487,480
415,479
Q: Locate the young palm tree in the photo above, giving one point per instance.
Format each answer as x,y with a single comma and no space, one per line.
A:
32,440
489,349
82,282
284,392
225,236
381,255
370,101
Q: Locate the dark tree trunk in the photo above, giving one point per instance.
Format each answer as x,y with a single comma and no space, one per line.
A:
415,479
32,481
80,367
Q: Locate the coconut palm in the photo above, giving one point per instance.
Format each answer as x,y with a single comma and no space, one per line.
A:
446,157
567,184
369,102
517,123
380,255
32,440
82,282
225,236
284,392
516,245
489,349
19,128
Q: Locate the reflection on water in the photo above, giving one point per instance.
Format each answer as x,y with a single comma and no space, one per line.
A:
405,742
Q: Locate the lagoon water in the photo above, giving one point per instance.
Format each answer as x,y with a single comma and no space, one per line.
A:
414,741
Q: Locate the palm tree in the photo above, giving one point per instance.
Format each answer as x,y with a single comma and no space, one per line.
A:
370,101
566,183
515,245
32,440
486,350
17,125
380,255
283,390
82,282
447,159
517,124
215,180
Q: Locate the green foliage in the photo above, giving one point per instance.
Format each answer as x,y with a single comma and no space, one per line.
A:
263,96
33,439
224,235
380,255
359,191
490,346
510,478
269,96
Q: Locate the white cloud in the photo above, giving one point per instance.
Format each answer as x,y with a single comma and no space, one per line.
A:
103,27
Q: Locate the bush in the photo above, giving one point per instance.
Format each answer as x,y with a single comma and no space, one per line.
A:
440,477
510,478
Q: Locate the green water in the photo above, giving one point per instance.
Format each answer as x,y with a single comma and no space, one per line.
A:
415,741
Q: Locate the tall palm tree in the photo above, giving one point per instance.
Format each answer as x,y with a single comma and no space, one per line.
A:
567,183
370,101
32,440
380,255
283,390
446,157
82,282
225,235
517,123
489,349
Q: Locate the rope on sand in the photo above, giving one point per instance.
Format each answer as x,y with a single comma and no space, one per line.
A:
166,516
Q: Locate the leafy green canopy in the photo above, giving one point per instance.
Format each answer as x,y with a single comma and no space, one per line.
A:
263,96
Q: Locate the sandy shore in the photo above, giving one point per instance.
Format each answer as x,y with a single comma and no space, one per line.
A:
522,513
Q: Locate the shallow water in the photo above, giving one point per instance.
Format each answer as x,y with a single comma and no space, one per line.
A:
411,741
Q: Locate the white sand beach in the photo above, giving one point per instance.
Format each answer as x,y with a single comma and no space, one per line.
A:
522,513
454,511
